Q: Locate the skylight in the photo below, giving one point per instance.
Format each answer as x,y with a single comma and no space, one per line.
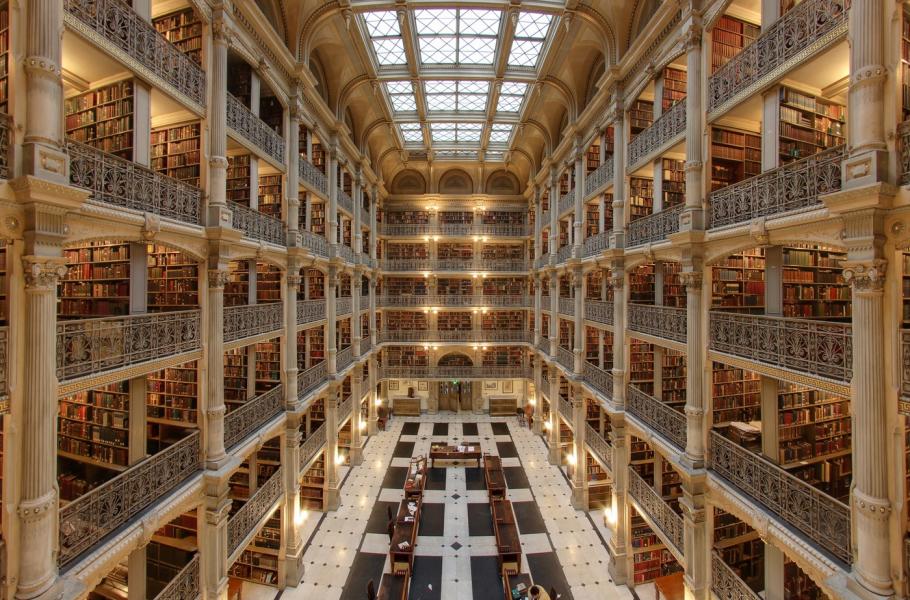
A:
451,36
411,132
469,96
456,132
530,32
511,96
455,154
385,34
500,133
401,93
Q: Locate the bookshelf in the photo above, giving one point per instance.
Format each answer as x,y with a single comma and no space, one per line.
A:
502,251
674,293
455,251
171,397
406,321
268,283
317,218
641,284
312,485
735,155
407,356
600,488
461,217
641,366
502,217
740,548
904,64
259,562
236,377
808,124
454,286
315,282
173,280
182,28
268,365
97,281
176,152
163,561
738,283
406,251
728,36
270,195
454,321
650,558
93,427
673,378
407,217
315,345
674,81
103,118
736,395
641,116
238,179
114,585
814,286
592,341
4,58
237,288
507,286
798,585
503,356
504,320
641,197
670,485
673,183
592,156
414,286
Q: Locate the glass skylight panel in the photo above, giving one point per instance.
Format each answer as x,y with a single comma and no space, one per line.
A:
447,95
530,33
511,96
411,132
500,133
455,154
456,132
401,93
533,25
385,35
462,36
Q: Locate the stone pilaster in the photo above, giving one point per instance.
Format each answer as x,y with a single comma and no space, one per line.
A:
618,517
538,305
693,215
356,285
554,456
617,280
292,282
695,538
538,222
371,379
331,347
554,212
578,281
373,332
374,229
332,497
691,277
357,197
213,539
554,312
618,235
293,557
293,176
332,208
219,214
579,472
579,231
356,396
214,389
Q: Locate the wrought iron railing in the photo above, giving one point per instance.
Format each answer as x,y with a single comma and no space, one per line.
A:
599,445
599,379
312,445
500,230
454,300
257,225
343,306
115,23
566,358
465,335
565,410
799,34
185,585
311,379
426,264
312,175
599,177
316,244
459,372
904,142
823,519
668,128
120,182
665,322
251,415
241,525
366,344
821,348
345,202
663,419
726,583
246,321
344,358
310,311
566,201
344,409
256,131
655,227
597,243
567,306
792,187
542,261
6,144
657,509
88,519
599,311
87,346
345,252
564,253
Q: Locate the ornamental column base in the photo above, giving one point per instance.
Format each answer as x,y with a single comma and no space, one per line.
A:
219,215
356,456
579,496
332,497
293,566
537,426
372,426
618,566
554,454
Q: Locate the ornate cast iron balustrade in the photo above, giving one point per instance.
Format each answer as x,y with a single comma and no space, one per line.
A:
111,23
654,228
401,229
566,358
247,321
803,346
567,306
251,415
567,201
344,252
543,261
4,362
544,345
344,358
564,254
669,423
345,202
459,372
120,182
660,513
726,584
904,142
664,322
185,586
454,265
256,225
343,306
599,177
792,187
311,379
808,28
310,311
92,516
87,346
312,445
599,311
667,129
312,175
823,519
599,379
597,243
599,445
344,409
241,525
501,230
453,300
256,131
5,145
366,344
565,410
467,335
316,244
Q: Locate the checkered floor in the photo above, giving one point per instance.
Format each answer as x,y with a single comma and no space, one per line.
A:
455,557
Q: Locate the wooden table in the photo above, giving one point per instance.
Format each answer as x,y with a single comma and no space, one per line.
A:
494,477
508,544
452,453
393,587
416,479
510,582
670,587
402,559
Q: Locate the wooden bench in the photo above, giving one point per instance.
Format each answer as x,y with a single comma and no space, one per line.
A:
452,453
508,544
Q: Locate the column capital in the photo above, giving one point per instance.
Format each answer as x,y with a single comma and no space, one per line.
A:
691,37
294,279
617,279
42,273
865,275
218,278
222,32
692,280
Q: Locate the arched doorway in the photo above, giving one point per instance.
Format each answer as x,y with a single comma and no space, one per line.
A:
455,394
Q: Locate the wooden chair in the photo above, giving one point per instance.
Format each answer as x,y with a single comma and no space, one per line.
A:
371,590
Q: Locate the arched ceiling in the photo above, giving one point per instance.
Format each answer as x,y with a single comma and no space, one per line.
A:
452,83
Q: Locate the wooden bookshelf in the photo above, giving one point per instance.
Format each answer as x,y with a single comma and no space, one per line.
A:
504,320
674,81
735,155
674,293
808,124
93,426
173,279
641,116
114,585
736,395
317,218
172,396
409,286
673,183
398,320
507,286
641,197
798,585
503,356
740,547
176,152
814,286
454,286
268,365
259,562
4,58
728,36
103,118
502,217
673,378
97,281
406,356
650,558
738,283
344,442
592,157
315,345
407,251
312,485
407,217
236,377
460,217
641,366
238,179
268,283
502,252
181,532
641,284
455,251
454,321
182,28
600,488
270,195
237,289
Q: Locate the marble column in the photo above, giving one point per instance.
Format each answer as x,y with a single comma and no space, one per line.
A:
332,497
215,455
617,280
579,232
371,380
218,213
554,312
356,285
580,471
554,456
693,215
332,208
294,545
357,197
538,392
374,228
356,434
292,283
578,281
554,212
331,346
373,332
618,235
691,277
618,517
538,305
538,222
292,193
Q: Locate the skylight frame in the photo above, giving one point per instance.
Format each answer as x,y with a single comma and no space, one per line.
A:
458,36
463,96
383,30
530,38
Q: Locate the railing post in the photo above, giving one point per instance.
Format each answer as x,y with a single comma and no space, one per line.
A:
356,284
293,556
554,312
617,279
213,538
579,321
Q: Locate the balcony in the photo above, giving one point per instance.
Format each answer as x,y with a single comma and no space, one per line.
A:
185,585
566,202
366,344
316,244
801,33
669,423
599,311
344,358
544,345
344,409
656,227
5,145
457,372
904,142
596,244
657,510
564,254
454,265
455,229
116,27
311,174
599,178
245,521
120,182
467,335
565,358
600,380
725,583
311,379
256,225
567,306
599,446
254,131
345,202
312,445
364,217
248,321
87,520
344,252
91,346
801,346
792,187
343,306
665,322
310,311
667,130
454,301
542,261
251,415
821,518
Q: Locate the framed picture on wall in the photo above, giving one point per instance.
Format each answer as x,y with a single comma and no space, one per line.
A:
423,386
506,387
491,386
393,385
